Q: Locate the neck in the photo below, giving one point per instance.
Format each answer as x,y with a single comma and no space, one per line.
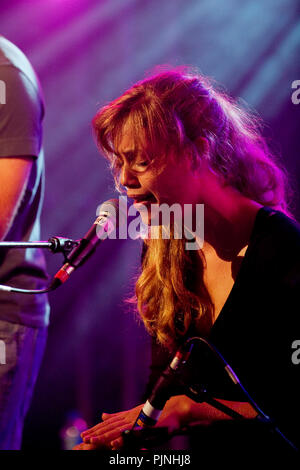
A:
228,223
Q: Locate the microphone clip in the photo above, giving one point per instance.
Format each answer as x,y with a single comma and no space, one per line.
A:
62,245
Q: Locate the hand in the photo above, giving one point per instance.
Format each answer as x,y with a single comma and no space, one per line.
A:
174,413
108,433
83,446
178,411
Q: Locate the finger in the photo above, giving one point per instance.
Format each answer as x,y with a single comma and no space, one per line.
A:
106,439
106,416
104,431
84,446
78,447
116,444
100,426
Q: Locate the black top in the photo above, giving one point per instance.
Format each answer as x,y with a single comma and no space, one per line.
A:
257,326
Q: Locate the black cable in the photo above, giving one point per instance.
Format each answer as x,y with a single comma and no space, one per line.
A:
234,378
27,291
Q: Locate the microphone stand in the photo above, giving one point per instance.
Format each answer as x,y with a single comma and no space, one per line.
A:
202,395
55,244
260,428
137,438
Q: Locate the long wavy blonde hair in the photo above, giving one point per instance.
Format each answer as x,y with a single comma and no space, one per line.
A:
176,107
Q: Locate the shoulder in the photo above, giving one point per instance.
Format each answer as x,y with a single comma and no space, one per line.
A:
275,246
19,89
275,231
19,77
22,113
11,56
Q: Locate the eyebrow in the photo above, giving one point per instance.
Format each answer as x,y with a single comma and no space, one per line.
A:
128,154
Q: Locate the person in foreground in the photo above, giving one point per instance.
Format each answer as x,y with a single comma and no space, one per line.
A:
176,138
23,319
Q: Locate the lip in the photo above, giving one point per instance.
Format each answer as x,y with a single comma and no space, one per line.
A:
142,198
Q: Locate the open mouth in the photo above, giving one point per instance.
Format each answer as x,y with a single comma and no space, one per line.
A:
144,199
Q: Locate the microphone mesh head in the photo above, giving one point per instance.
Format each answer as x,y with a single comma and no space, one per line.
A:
115,212
109,208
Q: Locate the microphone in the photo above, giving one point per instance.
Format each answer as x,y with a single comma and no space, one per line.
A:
104,225
162,390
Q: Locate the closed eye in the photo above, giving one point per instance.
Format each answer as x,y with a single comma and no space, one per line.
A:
143,164
133,163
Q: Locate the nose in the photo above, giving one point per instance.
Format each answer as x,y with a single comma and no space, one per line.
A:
128,178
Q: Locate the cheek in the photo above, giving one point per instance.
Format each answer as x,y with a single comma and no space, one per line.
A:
150,183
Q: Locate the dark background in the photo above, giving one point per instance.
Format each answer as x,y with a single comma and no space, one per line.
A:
87,52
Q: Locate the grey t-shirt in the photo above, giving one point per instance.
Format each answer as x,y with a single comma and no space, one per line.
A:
21,115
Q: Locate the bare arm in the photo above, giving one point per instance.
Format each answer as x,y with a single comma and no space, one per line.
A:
179,411
14,174
194,412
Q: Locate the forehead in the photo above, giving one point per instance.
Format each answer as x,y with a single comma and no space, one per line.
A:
128,140
133,137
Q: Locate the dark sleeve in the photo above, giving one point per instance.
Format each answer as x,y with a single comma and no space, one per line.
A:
160,358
